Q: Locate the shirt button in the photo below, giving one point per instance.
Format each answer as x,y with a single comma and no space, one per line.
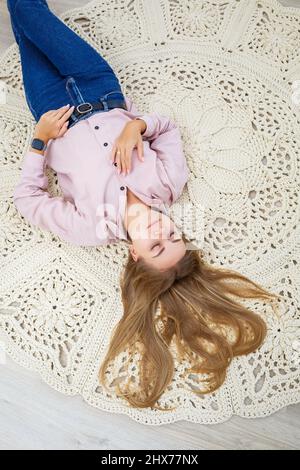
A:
122,187
115,163
105,144
97,127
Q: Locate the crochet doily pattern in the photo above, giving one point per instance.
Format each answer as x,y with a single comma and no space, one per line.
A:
224,71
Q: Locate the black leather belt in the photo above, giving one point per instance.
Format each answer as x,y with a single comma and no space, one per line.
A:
84,108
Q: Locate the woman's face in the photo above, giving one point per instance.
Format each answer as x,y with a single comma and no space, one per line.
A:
155,238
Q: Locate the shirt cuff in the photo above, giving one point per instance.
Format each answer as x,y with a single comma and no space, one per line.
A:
34,160
150,125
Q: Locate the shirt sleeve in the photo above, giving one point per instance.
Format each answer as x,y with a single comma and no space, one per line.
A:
55,214
165,139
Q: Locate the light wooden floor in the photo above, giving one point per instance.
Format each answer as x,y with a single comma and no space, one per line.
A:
33,416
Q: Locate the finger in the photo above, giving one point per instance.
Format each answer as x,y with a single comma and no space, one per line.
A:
66,115
113,152
128,159
63,108
63,129
140,150
51,111
118,160
123,162
62,111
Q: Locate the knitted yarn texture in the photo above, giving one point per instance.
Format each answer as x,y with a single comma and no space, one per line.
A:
224,71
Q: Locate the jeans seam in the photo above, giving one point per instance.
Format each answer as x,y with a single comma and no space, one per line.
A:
71,86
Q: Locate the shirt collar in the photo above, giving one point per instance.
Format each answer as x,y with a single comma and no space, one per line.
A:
156,204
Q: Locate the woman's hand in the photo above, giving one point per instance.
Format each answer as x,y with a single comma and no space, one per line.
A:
129,138
53,123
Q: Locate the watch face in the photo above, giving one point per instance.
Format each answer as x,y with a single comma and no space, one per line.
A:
37,144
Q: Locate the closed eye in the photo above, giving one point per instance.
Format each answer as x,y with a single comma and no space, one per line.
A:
157,244
163,248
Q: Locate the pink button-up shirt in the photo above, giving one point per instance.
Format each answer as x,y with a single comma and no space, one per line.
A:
92,210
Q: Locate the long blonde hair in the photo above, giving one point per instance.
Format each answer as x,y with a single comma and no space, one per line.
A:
195,311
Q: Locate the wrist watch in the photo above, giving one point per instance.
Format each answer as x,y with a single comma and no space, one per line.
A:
38,144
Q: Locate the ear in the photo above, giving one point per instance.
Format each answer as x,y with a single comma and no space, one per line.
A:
133,252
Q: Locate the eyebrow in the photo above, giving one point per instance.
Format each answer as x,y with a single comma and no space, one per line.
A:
163,248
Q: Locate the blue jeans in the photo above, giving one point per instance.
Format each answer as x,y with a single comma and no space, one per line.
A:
58,66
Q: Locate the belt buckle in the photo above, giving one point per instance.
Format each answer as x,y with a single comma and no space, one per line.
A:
86,109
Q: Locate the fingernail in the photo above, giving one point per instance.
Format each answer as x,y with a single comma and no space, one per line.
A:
67,105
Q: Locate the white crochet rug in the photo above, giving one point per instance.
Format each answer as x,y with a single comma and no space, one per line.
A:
223,69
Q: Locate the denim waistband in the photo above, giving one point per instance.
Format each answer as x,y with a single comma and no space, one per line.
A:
76,96
74,119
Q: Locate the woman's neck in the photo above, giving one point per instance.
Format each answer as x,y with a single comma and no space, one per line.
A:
131,199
